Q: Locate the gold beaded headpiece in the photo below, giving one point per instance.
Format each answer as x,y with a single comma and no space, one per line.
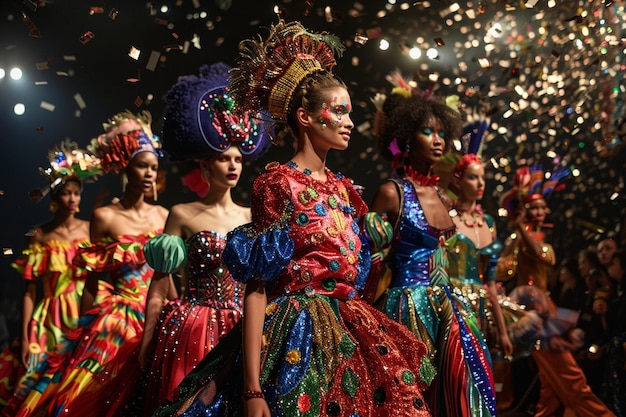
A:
270,70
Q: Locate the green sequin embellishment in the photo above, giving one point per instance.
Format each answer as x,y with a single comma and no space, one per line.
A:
346,347
427,371
312,192
332,201
350,382
408,377
329,284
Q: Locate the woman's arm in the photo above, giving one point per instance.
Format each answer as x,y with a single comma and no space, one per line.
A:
30,295
254,305
503,335
155,300
98,227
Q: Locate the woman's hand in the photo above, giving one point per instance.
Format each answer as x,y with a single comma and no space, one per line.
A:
506,345
256,407
25,353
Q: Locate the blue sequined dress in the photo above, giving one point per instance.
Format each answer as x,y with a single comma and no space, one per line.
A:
325,352
420,296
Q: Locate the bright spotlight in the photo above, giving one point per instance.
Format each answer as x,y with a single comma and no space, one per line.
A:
383,44
2,73
415,52
432,53
164,9
19,109
16,73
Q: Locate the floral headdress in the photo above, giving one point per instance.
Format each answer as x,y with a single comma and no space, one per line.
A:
270,70
201,118
67,163
126,136
529,184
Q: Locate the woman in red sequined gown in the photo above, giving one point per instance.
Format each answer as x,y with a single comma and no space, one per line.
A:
187,330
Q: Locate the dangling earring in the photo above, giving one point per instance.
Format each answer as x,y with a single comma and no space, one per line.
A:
124,181
154,191
53,207
77,209
324,126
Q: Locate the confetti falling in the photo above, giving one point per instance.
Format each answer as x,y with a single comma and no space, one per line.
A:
549,79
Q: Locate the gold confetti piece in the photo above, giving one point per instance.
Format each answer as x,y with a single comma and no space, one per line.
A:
96,10
7,251
42,65
160,21
138,101
1,192
113,14
32,29
169,48
153,60
41,82
79,100
86,37
47,106
439,42
132,80
362,39
39,129
134,53
63,74
69,58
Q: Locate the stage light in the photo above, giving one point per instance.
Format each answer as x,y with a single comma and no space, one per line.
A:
19,109
164,9
15,73
383,44
432,53
415,52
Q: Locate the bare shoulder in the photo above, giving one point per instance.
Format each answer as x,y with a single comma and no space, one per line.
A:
387,198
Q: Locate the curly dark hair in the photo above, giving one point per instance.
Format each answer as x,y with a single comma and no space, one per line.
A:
402,116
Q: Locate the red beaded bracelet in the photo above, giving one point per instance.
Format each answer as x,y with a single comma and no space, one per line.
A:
252,394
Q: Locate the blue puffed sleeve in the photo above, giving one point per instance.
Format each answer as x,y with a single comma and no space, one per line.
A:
251,255
166,253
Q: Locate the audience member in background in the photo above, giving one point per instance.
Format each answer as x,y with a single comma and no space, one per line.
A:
606,248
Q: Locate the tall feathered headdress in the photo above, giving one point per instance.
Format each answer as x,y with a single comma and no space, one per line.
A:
531,183
269,71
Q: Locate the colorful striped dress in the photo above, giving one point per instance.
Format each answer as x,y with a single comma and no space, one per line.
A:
53,318
110,333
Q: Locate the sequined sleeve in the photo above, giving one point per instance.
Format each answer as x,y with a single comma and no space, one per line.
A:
261,249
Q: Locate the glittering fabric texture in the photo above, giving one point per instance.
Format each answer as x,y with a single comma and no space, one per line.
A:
420,296
325,352
187,330
469,268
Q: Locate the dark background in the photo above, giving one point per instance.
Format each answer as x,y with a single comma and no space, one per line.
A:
552,73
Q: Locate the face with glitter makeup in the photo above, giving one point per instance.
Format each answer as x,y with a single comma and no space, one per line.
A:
332,124
429,142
